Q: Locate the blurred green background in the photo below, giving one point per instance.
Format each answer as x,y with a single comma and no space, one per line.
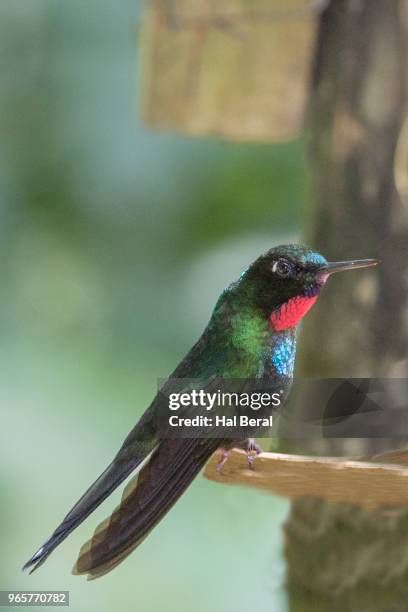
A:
115,242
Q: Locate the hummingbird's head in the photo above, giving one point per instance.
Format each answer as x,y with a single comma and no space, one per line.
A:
286,281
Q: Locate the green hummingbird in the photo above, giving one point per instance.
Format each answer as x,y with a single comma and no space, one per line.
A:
250,335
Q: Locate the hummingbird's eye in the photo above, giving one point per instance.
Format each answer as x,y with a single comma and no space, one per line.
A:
282,268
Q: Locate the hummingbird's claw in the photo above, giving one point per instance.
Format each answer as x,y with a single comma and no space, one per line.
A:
252,447
223,460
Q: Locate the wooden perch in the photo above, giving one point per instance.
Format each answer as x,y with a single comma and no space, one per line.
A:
399,457
363,483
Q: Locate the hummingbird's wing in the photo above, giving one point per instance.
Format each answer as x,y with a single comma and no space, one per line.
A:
172,467
146,499
150,495
138,444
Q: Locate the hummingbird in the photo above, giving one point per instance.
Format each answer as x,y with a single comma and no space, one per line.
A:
251,335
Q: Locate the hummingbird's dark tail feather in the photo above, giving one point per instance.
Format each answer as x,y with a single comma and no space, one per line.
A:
133,451
146,499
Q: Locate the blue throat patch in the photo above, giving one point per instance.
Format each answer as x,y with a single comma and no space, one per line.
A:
283,353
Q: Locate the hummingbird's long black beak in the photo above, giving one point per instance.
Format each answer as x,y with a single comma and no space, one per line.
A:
339,266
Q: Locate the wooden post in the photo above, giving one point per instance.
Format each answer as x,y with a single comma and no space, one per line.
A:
358,108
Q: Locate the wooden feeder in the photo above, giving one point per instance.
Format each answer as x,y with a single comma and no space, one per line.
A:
234,69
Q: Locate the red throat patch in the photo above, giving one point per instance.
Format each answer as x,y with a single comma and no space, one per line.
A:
290,313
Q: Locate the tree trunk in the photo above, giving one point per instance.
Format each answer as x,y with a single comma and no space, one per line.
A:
340,557
360,327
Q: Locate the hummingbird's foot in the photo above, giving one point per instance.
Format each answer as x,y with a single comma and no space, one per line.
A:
252,450
249,445
223,460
